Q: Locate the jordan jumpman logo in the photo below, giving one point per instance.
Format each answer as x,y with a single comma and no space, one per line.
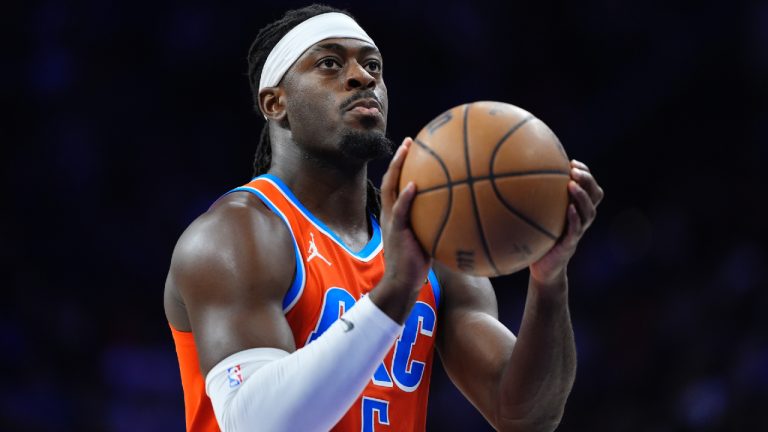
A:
313,252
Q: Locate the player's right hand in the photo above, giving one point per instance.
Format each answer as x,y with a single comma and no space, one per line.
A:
407,264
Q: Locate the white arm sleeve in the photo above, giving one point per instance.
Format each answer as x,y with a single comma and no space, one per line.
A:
310,389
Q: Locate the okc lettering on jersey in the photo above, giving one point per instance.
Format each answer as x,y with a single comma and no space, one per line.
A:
404,371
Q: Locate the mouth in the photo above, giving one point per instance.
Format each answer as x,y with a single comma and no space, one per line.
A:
365,107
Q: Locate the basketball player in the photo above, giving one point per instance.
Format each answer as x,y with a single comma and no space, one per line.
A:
286,311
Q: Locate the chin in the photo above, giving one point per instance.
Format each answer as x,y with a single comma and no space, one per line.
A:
366,144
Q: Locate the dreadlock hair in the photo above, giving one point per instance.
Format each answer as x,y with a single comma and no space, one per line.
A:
265,41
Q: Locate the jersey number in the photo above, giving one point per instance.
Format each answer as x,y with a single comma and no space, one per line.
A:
374,411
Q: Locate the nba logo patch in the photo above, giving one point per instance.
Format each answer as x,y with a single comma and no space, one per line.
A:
235,376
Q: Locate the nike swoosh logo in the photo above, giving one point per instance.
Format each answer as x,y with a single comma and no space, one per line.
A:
349,325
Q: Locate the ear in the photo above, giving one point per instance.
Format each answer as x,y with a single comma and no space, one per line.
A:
272,103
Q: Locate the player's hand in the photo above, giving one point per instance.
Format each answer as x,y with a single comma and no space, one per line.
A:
585,196
407,264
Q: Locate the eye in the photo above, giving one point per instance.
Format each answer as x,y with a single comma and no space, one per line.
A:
329,63
373,66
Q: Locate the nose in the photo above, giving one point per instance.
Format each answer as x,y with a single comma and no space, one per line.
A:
358,78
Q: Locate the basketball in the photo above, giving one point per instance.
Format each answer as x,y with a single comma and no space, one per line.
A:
491,188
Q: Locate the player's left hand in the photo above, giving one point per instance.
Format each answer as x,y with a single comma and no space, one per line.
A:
585,195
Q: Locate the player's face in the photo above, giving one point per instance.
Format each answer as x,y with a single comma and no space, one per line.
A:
336,99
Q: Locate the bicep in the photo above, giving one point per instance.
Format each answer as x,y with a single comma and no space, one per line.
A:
232,287
474,346
222,328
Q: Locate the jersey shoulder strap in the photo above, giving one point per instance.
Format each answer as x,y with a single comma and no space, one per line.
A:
266,189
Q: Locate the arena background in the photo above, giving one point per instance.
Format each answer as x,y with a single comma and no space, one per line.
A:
125,120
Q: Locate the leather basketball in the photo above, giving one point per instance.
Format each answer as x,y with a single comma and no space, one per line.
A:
491,188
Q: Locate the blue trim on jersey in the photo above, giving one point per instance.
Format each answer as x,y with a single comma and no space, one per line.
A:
297,286
435,287
363,254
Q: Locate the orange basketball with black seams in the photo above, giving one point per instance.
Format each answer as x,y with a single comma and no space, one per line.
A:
492,188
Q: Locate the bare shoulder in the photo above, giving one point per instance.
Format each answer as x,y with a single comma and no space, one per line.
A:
229,273
237,249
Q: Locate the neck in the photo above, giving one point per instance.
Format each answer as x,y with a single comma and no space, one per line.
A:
333,189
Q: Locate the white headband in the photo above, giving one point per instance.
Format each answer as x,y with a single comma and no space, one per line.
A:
300,38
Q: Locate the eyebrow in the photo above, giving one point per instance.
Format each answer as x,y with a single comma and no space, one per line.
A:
332,46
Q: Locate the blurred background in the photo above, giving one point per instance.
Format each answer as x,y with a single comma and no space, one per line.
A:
124,120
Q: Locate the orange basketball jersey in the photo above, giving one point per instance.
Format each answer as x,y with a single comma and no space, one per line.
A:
329,279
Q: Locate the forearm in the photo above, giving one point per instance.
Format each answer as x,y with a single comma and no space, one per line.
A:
541,370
